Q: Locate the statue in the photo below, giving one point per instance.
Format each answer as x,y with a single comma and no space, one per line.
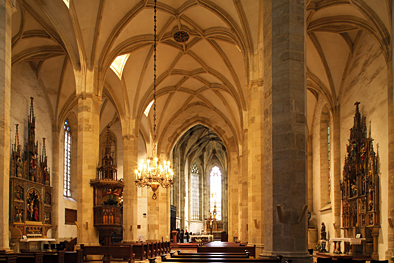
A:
323,238
323,234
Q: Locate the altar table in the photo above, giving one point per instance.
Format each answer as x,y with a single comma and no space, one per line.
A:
201,238
351,241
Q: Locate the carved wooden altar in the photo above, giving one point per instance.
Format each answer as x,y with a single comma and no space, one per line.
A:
360,185
30,190
108,192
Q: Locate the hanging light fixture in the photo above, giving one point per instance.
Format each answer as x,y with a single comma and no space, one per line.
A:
150,172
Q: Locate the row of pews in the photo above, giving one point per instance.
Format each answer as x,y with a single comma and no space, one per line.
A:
215,257
146,250
122,252
39,257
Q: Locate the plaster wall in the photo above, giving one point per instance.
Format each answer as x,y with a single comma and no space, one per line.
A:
366,82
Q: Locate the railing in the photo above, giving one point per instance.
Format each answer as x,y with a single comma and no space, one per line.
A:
107,215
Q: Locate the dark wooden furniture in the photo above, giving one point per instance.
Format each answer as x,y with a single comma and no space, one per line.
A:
53,257
108,191
222,259
9,258
228,248
138,249
108,253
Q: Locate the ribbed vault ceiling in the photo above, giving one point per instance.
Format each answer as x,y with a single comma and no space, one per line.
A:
202,80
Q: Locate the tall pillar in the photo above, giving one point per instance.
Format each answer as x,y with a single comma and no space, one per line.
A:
336,175
164,214
285,169
130,203
153,215
233,196
88,153
7,7
57,183
256,165
243,186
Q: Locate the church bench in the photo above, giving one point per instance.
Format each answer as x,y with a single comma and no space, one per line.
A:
180,253
211,256
220,259
229,249
29,257
138,249
109,253
8,258
70,256
53,257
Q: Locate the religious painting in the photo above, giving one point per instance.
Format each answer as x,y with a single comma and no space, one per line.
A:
33,205
19,193
18,213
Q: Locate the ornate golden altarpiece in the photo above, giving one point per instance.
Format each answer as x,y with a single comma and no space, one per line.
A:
360,185
30,190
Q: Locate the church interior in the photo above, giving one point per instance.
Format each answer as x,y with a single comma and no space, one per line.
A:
276,118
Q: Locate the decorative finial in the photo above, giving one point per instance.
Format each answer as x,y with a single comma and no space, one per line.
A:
16,137
31,109
108,146
44,150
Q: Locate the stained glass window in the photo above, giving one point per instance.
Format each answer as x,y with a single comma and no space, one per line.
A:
67,159
195,193
216,193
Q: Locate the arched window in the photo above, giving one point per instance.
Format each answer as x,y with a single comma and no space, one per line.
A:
325,159
67,159
216,193
195,193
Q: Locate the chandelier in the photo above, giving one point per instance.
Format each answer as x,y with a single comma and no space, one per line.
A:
150,172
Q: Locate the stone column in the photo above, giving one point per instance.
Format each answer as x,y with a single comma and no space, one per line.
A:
285,163
57,183
255,170
336,176
233,195
243,185
88,153
7,7
164,214
130,203
153,215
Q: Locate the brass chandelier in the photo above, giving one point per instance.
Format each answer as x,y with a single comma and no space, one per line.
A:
150,172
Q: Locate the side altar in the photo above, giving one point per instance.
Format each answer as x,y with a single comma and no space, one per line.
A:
360,187
30,190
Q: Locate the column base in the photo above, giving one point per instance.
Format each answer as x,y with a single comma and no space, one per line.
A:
294,257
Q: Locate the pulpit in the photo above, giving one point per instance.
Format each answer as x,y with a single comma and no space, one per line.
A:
108,192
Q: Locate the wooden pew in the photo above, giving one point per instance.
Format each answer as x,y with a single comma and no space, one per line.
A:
217,255
186,254
138,249
53,257
8,258
70,256
221,259
236,248
109,253
29,257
